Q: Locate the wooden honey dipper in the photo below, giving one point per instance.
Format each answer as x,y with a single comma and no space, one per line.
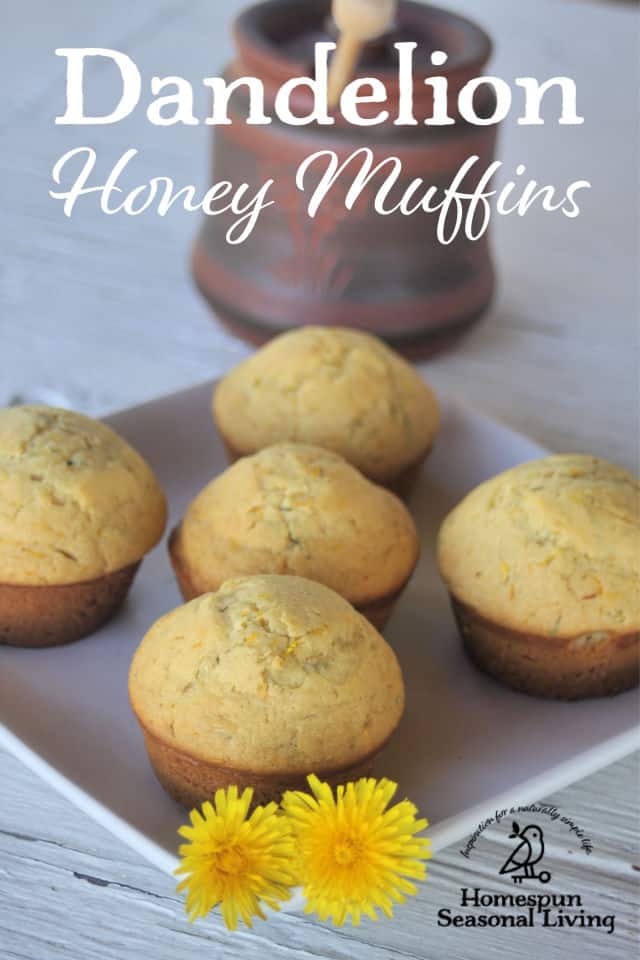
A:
359,22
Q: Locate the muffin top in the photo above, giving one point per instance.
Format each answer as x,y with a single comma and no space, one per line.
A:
302,510
549,547
270,674
76,501
333,387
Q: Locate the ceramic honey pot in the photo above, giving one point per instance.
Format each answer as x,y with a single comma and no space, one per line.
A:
388,274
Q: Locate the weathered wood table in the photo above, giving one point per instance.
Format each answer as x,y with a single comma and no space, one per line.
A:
99,312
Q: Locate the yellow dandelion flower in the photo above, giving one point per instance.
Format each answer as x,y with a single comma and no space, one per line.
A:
356,854
239,862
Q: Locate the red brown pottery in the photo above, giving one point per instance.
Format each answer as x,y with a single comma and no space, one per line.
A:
386,274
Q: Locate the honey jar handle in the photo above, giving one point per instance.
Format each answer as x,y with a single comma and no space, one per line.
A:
359,22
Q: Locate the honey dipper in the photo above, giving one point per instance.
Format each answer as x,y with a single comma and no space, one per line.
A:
359,22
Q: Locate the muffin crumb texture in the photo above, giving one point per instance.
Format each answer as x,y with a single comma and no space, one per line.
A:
303,510
334,387
549,547
76,501
271,673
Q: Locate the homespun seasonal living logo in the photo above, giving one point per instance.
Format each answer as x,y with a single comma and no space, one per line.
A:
527,893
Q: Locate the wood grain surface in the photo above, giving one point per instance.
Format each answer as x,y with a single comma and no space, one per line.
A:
99,312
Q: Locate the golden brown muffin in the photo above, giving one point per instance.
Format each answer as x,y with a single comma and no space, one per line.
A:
302,510
79,508
259,684
335,388
543,566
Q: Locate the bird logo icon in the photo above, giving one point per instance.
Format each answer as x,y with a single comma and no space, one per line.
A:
525,855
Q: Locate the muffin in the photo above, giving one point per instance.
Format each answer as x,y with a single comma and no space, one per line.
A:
300,510
335,388
259,684
543,566
79,508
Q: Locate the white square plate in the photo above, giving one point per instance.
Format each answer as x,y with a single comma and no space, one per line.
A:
466,745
